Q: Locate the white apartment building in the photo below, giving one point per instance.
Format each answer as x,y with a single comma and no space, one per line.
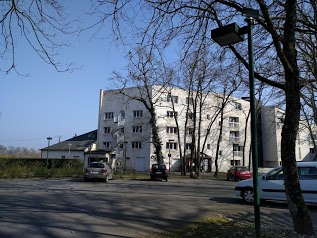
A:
124,131
272,119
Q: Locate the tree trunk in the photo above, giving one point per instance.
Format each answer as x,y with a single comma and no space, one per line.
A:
219,140
298,208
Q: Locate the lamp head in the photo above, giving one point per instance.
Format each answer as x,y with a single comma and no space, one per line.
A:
227,35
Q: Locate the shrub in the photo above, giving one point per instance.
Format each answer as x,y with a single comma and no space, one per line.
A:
29,168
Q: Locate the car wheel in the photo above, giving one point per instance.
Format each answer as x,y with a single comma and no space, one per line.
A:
152,178
247,195
166,179
227,178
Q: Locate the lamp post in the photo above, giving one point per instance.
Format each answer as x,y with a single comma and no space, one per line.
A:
125,155
232,34
48,149
169,157
69,144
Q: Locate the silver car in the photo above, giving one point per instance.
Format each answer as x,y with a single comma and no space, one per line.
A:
98,170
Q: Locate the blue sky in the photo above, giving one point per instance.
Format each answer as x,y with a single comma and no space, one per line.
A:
59,105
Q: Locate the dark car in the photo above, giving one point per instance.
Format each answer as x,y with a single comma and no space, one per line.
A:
158,171
238,173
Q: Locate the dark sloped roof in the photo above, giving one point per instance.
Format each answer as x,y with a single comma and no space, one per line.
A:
78,143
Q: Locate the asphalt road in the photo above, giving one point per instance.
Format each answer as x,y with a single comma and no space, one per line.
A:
58,208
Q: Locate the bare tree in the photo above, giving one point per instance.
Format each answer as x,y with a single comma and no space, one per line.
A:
144,73
277,40
38,23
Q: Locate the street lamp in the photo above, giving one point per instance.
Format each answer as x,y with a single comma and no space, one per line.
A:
48,149
232,34
169,157
69,144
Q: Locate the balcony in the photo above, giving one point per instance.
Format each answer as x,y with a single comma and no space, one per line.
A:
238,153
234,124
234,139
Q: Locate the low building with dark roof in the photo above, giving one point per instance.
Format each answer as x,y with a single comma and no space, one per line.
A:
79,147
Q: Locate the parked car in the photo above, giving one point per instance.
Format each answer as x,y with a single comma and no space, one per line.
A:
238,173
271,184
98,170
158,171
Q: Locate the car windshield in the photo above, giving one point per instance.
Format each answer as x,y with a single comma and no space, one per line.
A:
242,168
96,165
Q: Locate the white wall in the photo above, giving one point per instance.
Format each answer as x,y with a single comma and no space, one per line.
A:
60,154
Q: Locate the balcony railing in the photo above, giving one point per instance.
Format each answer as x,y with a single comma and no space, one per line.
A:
234,139
234,124
238,153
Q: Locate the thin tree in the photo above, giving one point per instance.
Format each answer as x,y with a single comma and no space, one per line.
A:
145,72
38,23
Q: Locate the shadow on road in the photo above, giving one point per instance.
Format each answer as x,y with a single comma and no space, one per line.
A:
263,203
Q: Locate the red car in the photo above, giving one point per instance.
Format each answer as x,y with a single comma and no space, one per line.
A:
238,173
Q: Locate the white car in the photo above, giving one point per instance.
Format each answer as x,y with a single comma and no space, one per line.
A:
271,184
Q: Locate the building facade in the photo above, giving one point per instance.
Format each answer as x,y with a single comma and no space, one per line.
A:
124,127
272,121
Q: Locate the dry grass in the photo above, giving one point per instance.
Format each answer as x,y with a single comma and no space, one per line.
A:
222,227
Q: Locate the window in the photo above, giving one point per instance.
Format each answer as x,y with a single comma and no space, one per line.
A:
208,117
108,115
122,114
234,136
208,146
189,131
312,151
188,146
171,145
190,101
307,173
235,162
237,150
276,174
237,105
137,129
190,115
171,98
171,114
171,130
233,122
107,130
137,114
220,152
136,145
107,145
